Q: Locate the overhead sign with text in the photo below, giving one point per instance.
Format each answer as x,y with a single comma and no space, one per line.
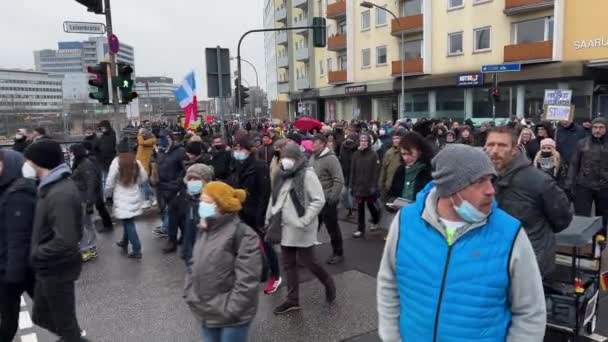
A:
83,27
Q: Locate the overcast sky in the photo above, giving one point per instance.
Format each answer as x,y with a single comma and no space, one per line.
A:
169,36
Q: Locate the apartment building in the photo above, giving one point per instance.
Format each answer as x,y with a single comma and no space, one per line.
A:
434,51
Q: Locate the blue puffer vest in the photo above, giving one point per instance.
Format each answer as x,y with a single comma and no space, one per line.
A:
454,293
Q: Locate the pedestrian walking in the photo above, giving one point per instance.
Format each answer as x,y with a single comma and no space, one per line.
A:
327,167
456,267
298,198
275,163
57,231
529,195
588,174
220,158
84,174
347,149
106,146
222,290
145,151
364,170
391,162
125,176
20,142
414,171
17,209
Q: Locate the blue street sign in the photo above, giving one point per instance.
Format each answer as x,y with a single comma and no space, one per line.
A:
507,67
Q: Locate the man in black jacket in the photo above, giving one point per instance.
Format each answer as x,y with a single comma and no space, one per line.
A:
220,159
588,173
17,206
57,230
170,163
107,147
528,194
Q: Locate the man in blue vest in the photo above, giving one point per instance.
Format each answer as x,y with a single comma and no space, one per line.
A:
455,266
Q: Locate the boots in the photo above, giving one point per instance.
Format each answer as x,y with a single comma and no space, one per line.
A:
170,248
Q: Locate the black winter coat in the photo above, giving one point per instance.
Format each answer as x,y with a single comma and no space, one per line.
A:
20,145
107,149
364,173
589,167
423,178
86,177
346,157
567,140
171,169
17,207
57,229
253,176
534,198
220,160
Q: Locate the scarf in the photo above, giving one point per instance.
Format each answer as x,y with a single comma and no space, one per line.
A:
297,173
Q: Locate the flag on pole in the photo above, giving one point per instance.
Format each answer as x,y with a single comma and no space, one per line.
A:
185,95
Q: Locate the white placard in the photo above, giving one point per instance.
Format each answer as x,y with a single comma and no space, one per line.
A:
558,97
558,113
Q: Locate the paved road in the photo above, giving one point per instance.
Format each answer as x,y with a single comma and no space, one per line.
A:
120,299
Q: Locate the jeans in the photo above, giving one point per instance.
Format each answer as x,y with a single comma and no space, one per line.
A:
584,198
329,217
130,235
55,307
371,205
164,227
10,305
306,257
226,334
347,198
146,190
88,231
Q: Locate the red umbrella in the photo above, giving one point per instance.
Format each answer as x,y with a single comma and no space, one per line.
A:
307,124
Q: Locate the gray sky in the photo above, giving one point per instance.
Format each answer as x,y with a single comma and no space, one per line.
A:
169,36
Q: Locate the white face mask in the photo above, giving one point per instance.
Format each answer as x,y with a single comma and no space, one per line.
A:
287,164
28,171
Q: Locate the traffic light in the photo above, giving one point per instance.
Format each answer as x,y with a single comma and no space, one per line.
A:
240,91
124,83
100,71
319,32
95,6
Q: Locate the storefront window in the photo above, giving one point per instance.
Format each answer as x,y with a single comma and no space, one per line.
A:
387,108
534,100
416,105
450,103
482,103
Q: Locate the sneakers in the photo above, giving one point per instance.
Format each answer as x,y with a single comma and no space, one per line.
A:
88,255
373,227
357,234
285,308
272,285
158,231
134,255
336,259
124,245
170,248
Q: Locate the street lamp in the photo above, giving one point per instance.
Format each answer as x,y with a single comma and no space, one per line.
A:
368,4
257,84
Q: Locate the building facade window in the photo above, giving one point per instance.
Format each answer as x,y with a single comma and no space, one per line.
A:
450,103
479,2
342,62
535,30
381,58
411,49
416,105
381,17
410,7
482,40
329,65
454,4
455,44
365,20
365,58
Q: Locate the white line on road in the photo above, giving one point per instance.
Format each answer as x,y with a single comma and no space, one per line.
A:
597,337
29,338
25,321
23,303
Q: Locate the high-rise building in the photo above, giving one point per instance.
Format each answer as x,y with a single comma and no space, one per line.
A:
270,49
29,92
438,49
155,94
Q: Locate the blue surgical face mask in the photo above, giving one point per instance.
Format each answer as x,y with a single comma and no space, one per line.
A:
240,155
194,187
468,212
206,210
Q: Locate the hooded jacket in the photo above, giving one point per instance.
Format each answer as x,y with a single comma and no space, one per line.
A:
589,166
171,169
347,149
57,227
17,206
85,176
107,145
253,176
533,197
327,167
222,290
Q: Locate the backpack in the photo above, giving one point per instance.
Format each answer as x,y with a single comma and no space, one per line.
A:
239,233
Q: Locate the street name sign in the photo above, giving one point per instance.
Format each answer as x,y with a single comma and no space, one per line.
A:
83,27
494,68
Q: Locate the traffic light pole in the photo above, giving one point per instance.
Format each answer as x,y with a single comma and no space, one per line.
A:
238,55
113,89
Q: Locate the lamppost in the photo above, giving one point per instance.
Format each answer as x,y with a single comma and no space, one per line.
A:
370,5
257,84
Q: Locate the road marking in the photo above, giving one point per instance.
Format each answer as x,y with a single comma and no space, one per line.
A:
29,338
25,321
597,337
23,303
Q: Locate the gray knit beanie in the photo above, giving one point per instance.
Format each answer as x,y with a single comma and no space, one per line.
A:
291,151
202,171
600,120
457,166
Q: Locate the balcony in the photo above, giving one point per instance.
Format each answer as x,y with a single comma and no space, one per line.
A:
529,52
282,62
283,87
336,42
514,7
282,38
336,10
411,66
281,14
302,54
301,22
407,25
337,77
300,3
303,83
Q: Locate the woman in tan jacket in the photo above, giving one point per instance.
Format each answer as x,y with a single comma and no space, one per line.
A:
145,148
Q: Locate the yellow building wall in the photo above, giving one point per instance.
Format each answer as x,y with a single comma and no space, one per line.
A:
586,30
375,37
466,20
